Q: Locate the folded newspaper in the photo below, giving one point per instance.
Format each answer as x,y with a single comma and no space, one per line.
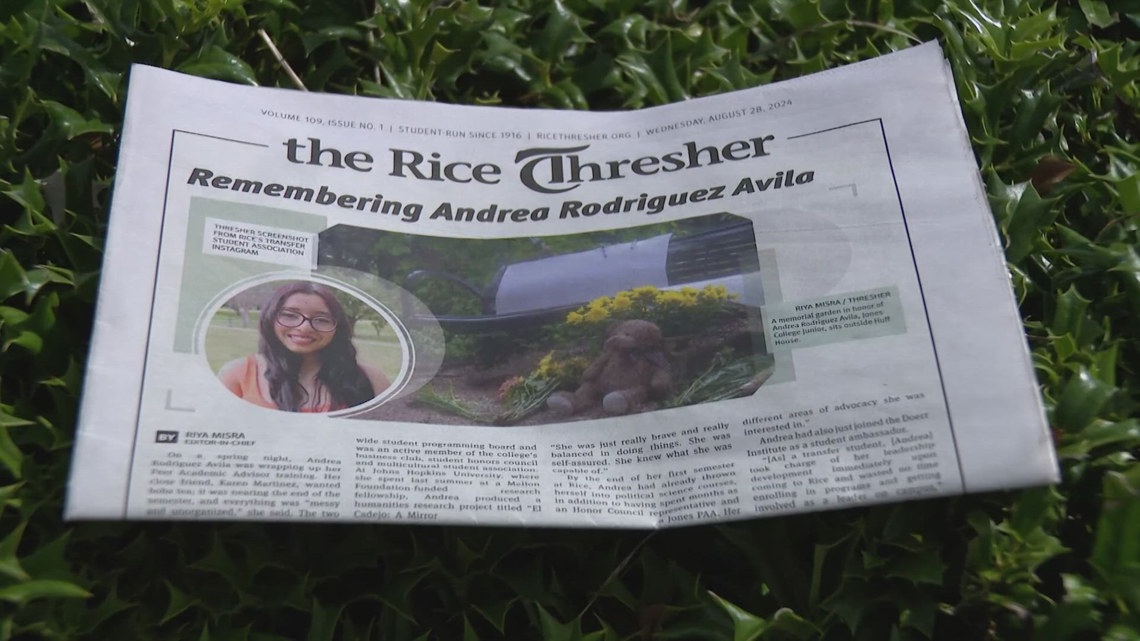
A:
332,308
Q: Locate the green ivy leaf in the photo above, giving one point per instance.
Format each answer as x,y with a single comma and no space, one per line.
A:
1029,215
1077,612
920,617
46,589
10,456
792,624
1032,510
553,630
745,625
1097,13
1117,544
9,563
1071,319
920,567
12,277
324,622
1081,401
112,604
562,30
178,602
1128,189
48,561
469,633
1124,434
495,611
71,123
220,64
7,420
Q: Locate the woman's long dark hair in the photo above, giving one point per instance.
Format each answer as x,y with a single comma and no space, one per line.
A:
339,374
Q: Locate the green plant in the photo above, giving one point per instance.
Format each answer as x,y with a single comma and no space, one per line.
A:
678,312
1050,92
728,376
524,396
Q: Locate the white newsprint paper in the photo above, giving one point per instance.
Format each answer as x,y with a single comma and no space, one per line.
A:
332,308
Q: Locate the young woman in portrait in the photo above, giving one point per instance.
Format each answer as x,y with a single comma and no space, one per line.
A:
305,360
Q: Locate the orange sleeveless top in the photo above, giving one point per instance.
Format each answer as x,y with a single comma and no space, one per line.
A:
250,384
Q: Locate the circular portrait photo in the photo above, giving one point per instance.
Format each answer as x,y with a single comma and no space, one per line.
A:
303,346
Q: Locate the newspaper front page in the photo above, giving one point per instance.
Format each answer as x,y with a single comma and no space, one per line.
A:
329,308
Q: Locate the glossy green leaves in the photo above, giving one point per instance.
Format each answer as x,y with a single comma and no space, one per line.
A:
1050,93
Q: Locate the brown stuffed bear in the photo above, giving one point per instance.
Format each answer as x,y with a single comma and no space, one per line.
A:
631,369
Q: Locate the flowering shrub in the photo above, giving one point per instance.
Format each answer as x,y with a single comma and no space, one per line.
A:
676,312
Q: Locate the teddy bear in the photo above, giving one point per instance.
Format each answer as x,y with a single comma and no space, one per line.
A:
631,369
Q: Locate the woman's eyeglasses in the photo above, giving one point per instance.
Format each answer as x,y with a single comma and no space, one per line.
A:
287,318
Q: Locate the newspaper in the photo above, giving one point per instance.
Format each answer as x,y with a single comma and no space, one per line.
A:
331,308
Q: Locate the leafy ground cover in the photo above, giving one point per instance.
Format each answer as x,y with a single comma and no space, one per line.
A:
1051,95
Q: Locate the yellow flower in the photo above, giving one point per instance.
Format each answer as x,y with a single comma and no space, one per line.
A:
716,293
596,314
622,302
549,367
574,318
